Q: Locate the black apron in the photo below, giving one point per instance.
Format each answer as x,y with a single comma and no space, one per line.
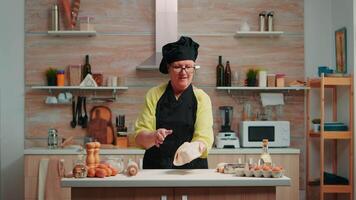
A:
178,115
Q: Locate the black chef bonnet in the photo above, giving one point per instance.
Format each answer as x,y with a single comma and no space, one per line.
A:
183,49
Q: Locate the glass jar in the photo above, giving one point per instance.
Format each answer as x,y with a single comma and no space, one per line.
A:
115,161
80,170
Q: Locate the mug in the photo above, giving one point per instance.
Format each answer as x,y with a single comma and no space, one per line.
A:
51,100
65,97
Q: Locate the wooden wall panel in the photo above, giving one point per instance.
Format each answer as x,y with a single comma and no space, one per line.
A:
110,15
210,16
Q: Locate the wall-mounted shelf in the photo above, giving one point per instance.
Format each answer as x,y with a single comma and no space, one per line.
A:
73,88
72,33
259,33
263,88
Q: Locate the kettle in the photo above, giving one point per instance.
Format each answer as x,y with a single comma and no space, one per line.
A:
52,138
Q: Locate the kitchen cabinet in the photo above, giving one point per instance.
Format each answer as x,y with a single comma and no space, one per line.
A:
195,184
226,193
167,193
124,193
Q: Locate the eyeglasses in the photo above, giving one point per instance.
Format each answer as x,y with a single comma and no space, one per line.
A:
188,68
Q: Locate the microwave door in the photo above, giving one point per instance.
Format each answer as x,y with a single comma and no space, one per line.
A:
256,134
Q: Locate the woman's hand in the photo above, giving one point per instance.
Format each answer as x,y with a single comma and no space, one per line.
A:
161,134
147,139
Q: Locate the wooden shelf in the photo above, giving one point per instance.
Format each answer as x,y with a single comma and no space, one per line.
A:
72,33
321,84
259,33
331,81
262,88
76,88
332,188
342,135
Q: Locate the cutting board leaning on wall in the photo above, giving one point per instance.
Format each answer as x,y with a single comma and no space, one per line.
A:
100,126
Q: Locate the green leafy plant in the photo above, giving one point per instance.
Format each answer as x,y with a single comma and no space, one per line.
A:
51,72
51,75
316,121
251,77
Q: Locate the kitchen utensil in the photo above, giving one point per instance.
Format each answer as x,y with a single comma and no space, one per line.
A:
79,111
73,123
66,141
100,126
85,118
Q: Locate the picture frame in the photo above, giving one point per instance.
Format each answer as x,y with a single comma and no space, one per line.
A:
341,51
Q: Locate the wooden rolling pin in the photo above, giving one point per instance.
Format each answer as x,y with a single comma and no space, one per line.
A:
132,168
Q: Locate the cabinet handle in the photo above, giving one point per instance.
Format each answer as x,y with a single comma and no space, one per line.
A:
184,197
164,197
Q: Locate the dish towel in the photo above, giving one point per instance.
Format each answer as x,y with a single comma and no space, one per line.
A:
49,178
53,181
42,173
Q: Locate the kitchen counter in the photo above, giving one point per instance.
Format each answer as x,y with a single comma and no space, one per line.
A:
136,151
175,178
175,184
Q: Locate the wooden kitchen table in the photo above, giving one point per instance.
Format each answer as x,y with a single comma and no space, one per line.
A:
199,184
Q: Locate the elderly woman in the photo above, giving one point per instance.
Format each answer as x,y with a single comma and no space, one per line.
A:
175,126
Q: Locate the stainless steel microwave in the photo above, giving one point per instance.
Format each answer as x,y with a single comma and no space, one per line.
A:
253,132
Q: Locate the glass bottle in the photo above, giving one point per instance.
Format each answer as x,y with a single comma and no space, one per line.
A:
86,67
265,156
220,73
227,76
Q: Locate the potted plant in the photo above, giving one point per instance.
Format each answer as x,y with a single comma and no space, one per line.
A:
51,75
251,77
316,125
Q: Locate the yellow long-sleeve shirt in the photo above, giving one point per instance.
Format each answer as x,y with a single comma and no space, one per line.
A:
203,127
